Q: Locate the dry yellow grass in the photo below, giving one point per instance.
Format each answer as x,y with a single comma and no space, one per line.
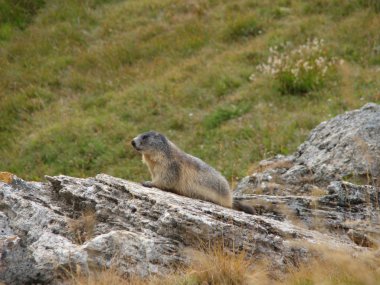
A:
104,277
215,266
317,191
83,227
333,267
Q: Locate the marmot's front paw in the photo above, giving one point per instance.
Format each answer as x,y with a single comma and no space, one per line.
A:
147,184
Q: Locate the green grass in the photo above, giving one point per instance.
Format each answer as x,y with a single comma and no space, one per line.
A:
80,79
243,28
223,114
19,12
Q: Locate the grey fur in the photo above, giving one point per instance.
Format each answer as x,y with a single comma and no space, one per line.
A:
176,171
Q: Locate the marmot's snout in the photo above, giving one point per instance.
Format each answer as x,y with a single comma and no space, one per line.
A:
135,146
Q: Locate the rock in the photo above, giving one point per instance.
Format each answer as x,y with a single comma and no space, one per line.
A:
345,146
137,230
307,187
360,238
348,144
50,229
135,253
346,206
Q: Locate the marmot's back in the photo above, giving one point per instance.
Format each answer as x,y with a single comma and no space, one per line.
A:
199,180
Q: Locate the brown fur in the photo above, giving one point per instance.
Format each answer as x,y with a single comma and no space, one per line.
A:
185,185
173,170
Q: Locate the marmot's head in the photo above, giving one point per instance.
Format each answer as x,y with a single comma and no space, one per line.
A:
150,142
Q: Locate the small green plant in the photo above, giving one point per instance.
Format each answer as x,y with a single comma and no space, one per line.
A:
299,70
5,31
243,28
225,84
223,114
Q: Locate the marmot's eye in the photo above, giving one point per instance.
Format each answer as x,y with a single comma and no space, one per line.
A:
144,137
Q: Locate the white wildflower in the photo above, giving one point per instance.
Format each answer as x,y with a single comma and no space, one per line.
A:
310,57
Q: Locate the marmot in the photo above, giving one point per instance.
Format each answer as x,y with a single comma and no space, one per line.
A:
173,170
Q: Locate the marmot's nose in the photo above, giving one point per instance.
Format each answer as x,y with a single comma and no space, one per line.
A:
133,143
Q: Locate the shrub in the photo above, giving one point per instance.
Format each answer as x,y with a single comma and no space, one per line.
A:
299,70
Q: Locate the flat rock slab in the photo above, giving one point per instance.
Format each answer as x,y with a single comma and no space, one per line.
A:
136,229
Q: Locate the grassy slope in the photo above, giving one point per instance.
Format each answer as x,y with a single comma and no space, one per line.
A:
84,77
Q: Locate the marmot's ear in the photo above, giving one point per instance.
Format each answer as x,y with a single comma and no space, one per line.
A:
162,137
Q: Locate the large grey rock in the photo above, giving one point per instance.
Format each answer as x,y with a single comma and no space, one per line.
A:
345,146
137,230
348,144
307,187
